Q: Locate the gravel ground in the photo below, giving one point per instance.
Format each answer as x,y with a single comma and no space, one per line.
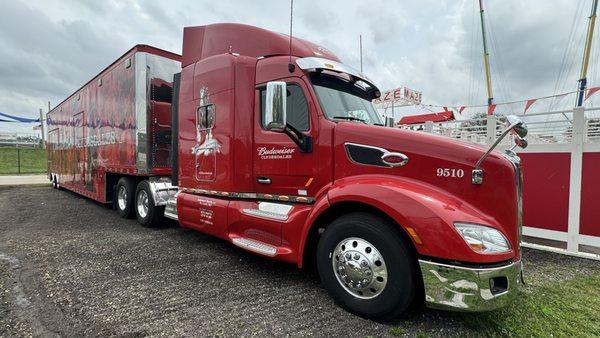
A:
73,267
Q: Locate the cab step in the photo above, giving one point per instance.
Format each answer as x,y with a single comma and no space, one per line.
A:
255,246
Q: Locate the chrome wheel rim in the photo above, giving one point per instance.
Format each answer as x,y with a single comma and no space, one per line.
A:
122,197
142,204
359,268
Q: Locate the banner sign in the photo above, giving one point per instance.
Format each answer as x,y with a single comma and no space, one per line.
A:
400,94
412,95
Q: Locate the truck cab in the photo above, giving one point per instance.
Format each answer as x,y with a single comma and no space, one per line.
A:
280,151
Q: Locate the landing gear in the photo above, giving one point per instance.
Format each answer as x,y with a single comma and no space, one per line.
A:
366,266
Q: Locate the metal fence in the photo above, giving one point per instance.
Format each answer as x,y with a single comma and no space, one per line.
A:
561,173
22,160
22,140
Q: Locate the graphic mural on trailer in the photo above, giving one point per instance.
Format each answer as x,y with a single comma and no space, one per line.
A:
206,146
93,130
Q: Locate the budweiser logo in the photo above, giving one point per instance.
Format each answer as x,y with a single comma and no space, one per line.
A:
275,153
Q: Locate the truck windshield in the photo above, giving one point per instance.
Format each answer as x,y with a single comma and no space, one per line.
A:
343,100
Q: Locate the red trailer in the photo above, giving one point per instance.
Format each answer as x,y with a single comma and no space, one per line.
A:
115,131
278,149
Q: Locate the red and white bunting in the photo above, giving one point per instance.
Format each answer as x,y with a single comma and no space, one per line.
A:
591,92
528,104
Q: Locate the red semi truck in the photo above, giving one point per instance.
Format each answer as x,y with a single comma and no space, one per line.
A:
273,144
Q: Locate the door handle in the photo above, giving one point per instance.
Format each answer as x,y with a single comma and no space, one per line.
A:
263,180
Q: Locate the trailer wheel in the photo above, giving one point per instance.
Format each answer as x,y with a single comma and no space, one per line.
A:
124,198
147,213
55,183
366,266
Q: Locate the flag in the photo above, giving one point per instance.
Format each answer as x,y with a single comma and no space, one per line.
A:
460,110
591,92
491,109
528,104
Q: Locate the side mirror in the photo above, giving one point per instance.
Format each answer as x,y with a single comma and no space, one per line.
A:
517,125
275,109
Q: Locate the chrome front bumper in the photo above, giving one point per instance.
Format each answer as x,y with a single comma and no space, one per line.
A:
457,288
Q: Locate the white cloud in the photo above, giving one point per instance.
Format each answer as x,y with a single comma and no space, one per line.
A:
50,48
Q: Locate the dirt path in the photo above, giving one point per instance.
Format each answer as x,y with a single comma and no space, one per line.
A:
70,266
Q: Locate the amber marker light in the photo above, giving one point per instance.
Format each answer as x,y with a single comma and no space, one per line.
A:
414,235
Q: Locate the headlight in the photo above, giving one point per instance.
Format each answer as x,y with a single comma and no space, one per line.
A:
482,239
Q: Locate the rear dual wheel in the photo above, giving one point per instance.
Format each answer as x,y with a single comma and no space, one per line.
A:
54,180
124,197
366,266
147,213
138,202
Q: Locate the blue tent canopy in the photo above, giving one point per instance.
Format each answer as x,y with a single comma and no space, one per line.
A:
12,118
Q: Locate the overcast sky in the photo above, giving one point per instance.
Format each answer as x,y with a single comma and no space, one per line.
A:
50,48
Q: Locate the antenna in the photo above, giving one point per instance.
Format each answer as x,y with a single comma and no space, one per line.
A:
360,47
291,66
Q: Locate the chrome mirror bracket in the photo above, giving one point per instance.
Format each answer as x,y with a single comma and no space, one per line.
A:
477,176
515,125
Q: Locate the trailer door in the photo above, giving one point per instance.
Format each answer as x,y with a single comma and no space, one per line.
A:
80,149
52,146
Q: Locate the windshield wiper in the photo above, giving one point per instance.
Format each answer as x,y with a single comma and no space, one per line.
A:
350,118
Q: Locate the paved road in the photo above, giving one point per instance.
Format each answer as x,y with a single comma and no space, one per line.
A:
72,267
24,179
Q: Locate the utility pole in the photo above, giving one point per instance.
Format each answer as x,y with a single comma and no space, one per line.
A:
586,55
486,57
360,47
42,128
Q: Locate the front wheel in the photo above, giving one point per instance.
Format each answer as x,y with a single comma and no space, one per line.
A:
366,266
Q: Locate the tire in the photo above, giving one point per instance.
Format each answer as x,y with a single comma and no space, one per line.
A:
124,203
147,214
373,245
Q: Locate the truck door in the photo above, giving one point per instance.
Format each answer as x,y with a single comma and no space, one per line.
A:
279,166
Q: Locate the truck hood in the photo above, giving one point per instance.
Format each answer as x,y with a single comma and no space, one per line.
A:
441,163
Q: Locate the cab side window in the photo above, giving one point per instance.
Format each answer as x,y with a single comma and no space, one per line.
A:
296,107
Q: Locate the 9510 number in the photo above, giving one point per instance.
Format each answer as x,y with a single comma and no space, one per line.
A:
449,172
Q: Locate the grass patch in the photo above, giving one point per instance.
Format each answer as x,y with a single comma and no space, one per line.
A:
396,331
571,308
30,160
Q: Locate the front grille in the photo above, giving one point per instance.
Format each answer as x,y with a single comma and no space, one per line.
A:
516,162
519,174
